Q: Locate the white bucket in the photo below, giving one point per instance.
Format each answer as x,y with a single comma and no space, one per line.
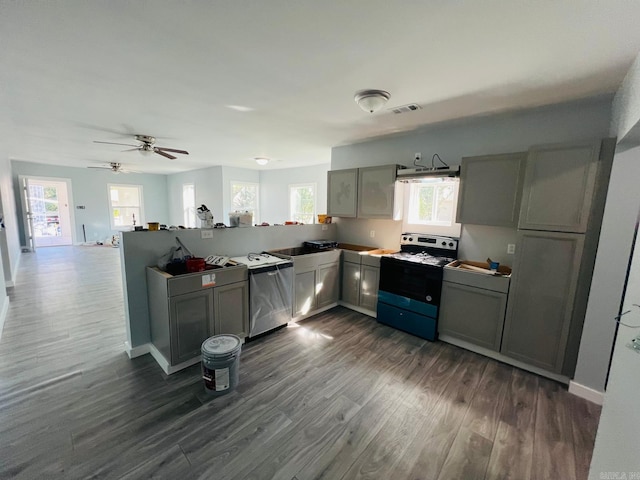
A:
220,363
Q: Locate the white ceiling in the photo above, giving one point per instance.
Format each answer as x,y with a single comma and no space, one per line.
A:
74,71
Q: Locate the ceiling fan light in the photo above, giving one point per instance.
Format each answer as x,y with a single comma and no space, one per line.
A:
261,160
145,151
371,100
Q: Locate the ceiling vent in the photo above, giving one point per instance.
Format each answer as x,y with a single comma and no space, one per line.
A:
412,107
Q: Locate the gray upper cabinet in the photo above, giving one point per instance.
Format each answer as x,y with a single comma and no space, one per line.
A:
364,193
342,192
377,192
558,188
491,189
541,298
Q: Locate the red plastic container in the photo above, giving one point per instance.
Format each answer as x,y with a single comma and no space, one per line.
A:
195,264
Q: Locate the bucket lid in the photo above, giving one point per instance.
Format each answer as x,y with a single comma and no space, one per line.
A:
221,345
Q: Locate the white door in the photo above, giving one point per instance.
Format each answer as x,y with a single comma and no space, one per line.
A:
47,208
615,454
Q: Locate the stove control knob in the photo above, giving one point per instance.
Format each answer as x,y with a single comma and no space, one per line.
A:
444,244
451,244
429,298
411,239
404,238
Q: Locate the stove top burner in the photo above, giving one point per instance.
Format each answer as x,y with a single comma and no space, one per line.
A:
422,258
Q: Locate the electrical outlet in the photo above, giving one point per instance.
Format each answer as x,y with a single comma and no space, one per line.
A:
206,234
417,156
511,248
372,233
325,227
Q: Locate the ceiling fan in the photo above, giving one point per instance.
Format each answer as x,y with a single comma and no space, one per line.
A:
147,145
116,168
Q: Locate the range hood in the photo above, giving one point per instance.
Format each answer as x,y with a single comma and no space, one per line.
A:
409,175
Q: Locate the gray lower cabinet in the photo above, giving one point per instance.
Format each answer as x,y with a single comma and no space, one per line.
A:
491,189
305,293
351,283
189,325
369,279
329,282
473,314
316,283
541,298
231,314
360,279
187,309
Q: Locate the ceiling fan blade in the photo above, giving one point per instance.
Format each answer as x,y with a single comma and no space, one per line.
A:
164,154
102,168
184,152
131,149
112,143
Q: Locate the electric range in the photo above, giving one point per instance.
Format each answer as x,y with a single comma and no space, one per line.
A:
411,283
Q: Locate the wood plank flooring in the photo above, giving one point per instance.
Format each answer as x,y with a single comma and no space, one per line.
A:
337,397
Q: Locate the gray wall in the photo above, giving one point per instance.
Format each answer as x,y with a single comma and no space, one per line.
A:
89,188
208,186
625,119
142,249
274,190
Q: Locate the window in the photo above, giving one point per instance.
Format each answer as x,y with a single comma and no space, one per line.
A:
189,205
302,203
125,205
244,197
431,206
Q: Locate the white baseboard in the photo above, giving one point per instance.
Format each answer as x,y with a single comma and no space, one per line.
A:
587,393
14,273
164,363
4,310
138,351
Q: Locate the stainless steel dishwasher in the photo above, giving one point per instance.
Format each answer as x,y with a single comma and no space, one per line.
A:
270,291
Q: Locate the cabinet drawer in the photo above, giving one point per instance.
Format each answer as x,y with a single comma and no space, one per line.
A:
414,323
479,280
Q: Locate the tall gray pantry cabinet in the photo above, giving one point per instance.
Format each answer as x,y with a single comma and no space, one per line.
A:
559,225
185,310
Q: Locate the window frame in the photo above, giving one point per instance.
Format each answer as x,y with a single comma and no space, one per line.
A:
139,221
256,212
314,188
185,212
436,228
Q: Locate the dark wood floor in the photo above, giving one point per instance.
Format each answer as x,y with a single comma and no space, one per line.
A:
337,397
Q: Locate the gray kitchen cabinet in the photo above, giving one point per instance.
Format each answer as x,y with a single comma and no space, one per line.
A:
350,283
473,314
189,324
368,192
342,192
231,313
559,187
360,278
541,298
185,310
305,293
316,282
491,189
329,284
377,193
369,279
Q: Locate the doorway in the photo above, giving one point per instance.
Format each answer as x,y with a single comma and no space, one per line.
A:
47,207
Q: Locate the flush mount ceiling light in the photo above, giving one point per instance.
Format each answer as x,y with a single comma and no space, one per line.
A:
261,160
371,100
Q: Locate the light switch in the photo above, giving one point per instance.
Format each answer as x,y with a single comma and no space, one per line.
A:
511,248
